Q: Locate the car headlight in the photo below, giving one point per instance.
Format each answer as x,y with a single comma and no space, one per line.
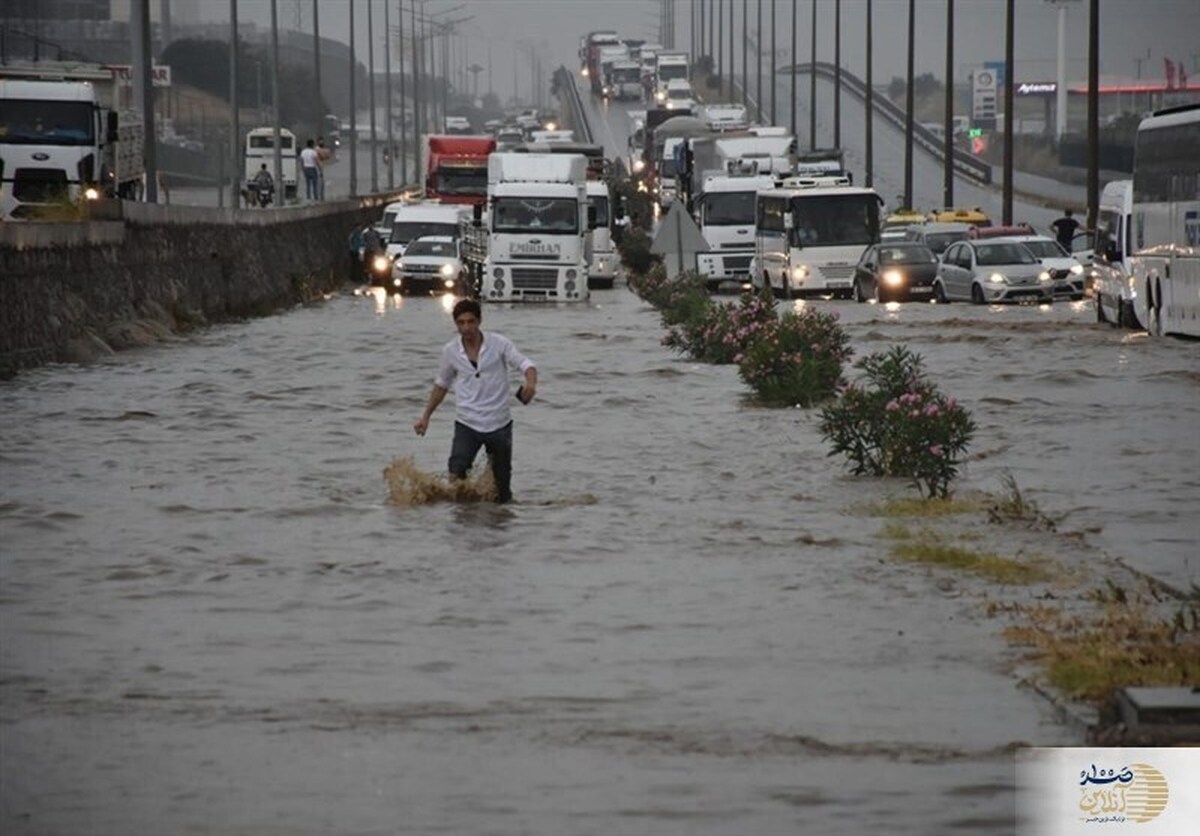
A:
662,97
893,278
1076,269
998,278
449,283
396,282
380,263
571,274
1044,276
91,193
638,166
800,272
447,270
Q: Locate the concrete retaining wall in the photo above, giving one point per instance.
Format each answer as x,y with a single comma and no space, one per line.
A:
72,291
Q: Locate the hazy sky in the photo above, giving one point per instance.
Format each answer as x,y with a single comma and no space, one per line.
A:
1130,29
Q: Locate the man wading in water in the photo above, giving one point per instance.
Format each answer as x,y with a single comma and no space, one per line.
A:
477,365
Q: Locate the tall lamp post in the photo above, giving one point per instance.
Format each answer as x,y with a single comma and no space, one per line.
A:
948,116
1007,206
1060,103
908,110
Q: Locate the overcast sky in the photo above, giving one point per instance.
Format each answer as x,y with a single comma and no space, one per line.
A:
1130,29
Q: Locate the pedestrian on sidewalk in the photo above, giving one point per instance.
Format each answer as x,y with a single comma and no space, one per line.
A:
1064,229
477,366
311,165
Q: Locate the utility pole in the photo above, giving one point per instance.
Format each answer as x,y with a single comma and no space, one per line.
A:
1093,112
280,186
758,51
319,100
774,79
812,83
387,93
837,73
948,116
793,122
730,70
720,39
353,113
1007,206
403,103
908,109
869,139
745,57
142,50
371,96
235,132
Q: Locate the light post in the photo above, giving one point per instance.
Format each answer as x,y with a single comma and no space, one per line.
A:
1060,103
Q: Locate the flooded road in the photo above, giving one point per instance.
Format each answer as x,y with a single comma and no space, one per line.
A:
214,621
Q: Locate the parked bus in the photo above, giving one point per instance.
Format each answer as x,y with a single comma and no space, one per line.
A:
1165,269
260,148
811,233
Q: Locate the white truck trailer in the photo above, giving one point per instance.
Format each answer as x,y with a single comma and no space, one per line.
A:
61,138
530,244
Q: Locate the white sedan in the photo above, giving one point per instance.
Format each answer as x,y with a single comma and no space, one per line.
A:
991,271
432,264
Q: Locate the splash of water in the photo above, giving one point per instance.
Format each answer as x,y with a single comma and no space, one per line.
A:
410,485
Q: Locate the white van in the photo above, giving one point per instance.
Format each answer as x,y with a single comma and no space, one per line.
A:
1112,287
408,221
599,244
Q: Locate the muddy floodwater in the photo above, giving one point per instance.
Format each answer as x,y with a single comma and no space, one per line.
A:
213,621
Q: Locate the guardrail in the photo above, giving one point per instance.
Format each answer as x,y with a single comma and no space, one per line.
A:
965,164
579,120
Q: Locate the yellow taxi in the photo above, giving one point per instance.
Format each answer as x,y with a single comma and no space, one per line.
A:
975,217
903,218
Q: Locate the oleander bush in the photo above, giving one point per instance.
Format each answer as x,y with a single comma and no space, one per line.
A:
721,331
895,422
796,359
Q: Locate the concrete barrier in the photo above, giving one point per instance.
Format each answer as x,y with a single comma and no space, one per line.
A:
70,292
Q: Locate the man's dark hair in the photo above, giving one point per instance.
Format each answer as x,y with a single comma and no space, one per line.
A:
1069,212
309,143
463,306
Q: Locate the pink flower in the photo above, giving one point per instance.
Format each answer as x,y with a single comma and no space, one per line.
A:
931,410
935,450
892,406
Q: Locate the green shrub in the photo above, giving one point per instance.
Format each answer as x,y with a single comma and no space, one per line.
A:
795,360
898,424
723,330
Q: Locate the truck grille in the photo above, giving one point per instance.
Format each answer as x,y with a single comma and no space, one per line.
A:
737,263
837,271
39,185
534,278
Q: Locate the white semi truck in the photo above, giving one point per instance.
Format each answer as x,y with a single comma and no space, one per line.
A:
530,244
61,138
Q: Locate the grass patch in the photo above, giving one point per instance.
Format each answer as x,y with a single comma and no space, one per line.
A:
994,567
1013,507
908,506
1091,656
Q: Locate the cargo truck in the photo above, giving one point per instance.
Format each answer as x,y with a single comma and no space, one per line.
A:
530,243
456,168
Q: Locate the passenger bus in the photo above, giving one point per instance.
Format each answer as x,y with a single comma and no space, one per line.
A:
811,233
260,148
1164,271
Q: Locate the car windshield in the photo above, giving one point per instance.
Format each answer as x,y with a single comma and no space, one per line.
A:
405,231
446,249
1046,249
729,209
535,214
29,122
669,71
906,255
938,241
679,94
461,180
992,254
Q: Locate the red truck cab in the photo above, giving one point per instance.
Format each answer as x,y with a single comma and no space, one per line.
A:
456,168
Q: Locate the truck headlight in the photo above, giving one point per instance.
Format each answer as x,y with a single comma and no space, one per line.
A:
447,270
499,285
660,96
800,272
499,274
571,274
893,278
998,278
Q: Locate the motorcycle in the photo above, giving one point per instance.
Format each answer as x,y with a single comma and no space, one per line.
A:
260,196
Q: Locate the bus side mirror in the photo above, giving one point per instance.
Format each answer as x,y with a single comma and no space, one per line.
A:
477,215
111,132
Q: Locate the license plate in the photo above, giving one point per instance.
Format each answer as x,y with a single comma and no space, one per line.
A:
918,291
837,284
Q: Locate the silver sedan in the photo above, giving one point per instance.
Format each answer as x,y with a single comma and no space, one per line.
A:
987,271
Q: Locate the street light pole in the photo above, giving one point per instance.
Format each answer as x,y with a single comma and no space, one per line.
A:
837,73
793,122
1007,205
403,103
280,186
812,82
869,139
758,51
948,116
1093,112
371,96
353,113
745,56
908,109
387,93
774,79
235,132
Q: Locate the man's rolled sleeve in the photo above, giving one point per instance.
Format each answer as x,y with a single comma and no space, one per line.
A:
446,371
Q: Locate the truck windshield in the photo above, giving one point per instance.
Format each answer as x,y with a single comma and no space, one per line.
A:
666,72
625,75
405,231
833,220
534,214
39,122
461,180
729,209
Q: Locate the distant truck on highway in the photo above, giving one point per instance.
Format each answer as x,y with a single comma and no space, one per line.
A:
456,168
530,244
62,139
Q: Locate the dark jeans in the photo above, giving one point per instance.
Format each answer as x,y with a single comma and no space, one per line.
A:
498,443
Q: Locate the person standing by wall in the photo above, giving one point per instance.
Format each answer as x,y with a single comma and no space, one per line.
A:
477,366
324,155
310,164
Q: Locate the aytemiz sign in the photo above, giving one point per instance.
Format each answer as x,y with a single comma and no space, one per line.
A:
123,73
1036,88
